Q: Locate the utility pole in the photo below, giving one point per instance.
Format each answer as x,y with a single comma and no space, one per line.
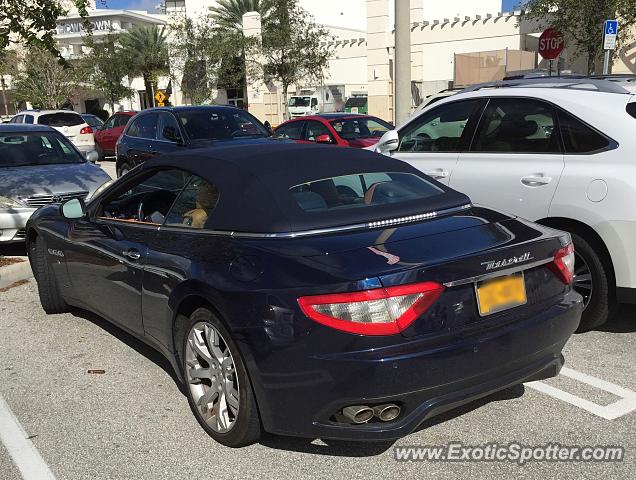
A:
402,100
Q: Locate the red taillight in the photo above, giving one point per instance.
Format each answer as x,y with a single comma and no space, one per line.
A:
86,130
563,264
381,311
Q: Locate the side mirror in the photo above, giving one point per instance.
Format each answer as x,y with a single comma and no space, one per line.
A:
389,142
172,134
72,209
269,128
92,156
324,138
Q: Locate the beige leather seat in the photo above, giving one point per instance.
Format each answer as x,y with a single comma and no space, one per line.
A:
207,196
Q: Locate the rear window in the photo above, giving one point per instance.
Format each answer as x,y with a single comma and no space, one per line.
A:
61,119
363,190
579,137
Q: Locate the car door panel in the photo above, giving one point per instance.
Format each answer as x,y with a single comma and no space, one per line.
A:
515,162
105,263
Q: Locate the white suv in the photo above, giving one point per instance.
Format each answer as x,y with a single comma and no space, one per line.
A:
559,152
68,123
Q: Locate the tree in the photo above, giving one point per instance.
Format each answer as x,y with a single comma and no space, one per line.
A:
146,49
581,21
33,23
8,66
208,56
293,46
105,67
43,81
228,14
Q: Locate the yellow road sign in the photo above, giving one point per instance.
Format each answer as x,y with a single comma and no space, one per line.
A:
160,97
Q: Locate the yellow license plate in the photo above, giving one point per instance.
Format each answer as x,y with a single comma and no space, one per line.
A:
500,294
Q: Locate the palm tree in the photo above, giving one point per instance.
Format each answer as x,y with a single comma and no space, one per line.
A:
229,13
146,49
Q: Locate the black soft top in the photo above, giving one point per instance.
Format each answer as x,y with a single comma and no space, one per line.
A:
254,183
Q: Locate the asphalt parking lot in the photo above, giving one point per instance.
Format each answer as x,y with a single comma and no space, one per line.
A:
133,422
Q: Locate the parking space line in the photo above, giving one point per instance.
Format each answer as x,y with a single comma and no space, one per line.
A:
21,450
621,407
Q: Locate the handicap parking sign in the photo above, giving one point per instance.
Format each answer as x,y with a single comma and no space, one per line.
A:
611,32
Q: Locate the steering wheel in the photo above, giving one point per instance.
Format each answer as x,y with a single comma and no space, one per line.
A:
159,201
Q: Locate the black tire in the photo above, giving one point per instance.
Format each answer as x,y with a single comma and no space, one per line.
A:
100,152
247,425
123,168
48,290
601,304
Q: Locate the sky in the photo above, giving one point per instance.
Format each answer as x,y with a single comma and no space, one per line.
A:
507,5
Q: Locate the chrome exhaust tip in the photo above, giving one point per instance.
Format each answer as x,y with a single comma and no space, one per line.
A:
358,414
387,412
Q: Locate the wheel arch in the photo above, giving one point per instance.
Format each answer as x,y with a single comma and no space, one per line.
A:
590,235
188,297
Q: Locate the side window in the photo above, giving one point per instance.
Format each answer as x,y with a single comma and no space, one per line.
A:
443,129
291,131
147,201
578,137
144,127
314,102
168,124
28,119
111,122
314,129
121,120
517,125
17,119
194,206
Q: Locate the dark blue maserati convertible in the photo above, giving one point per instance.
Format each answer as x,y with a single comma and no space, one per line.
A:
312,291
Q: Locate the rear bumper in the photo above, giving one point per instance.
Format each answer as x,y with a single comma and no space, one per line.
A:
12,224
424,377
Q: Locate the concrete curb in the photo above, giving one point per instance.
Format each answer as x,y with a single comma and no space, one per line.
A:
14,273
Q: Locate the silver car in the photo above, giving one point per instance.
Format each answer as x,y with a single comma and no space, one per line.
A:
39,166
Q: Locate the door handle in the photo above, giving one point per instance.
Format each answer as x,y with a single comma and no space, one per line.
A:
536,180
132,254
438,173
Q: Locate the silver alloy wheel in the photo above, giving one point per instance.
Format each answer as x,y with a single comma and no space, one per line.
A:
582,279
211,377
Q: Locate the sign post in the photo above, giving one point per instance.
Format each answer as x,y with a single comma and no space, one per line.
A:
551,44
610,32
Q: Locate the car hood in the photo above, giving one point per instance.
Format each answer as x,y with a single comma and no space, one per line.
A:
16,182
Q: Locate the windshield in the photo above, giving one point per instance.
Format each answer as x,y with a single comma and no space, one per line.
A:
299,101
365,127
61,119
93,121
363,190
213,124
36,148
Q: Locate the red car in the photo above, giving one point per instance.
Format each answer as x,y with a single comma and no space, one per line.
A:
107,135
343,129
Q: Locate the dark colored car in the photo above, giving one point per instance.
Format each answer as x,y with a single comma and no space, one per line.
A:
107,135
157,131
343,129
312,291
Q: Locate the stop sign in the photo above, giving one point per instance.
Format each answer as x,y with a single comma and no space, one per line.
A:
551,44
